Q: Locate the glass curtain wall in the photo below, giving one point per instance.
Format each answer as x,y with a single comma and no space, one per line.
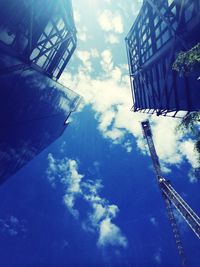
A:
39,32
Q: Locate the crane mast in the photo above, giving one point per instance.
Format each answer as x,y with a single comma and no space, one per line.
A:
171,197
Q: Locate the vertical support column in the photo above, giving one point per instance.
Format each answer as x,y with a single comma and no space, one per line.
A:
130,70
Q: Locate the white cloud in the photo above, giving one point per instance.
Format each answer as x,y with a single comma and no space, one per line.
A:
94,53
13,226
110,21
194,175
77,16
187,149
158,257
110,234
106,62
171,145
101,218
110,96
128,146
85,57
82,33
102,213
71,180
112,38
51,170
66,172
153,221
166,148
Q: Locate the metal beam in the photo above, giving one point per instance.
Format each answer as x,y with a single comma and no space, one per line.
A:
176,232
172,197
50,48
184,209
154,5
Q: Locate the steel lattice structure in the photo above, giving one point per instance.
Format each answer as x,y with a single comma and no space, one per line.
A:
162,29
42,34
171,197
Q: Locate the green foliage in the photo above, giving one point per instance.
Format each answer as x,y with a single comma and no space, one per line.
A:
188,62
190,123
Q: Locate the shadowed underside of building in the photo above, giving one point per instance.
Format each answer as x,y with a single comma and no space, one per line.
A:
37,39
162,29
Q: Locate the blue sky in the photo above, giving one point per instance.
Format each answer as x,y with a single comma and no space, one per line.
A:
91,198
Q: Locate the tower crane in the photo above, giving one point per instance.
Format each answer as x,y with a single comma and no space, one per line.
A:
171,198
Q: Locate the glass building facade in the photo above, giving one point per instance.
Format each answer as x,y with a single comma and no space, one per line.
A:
37,39
41,33
162,29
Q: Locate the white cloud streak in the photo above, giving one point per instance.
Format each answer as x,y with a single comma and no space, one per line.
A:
12,226
110,22
100,218
158,257
154,221
112,39
65,171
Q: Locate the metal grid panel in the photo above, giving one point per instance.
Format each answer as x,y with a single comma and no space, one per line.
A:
154,39
41,32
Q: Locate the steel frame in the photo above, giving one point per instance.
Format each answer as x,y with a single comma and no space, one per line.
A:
171,197
156,20
32,42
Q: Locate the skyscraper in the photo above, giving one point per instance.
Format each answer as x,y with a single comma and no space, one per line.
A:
162,29
37,39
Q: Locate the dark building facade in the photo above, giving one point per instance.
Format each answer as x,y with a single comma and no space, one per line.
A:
37,39
162,29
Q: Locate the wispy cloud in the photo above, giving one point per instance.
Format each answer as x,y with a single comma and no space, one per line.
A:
112,38
110,234
82,31
85,58
75,185
158,256
83,55
106,61
13,226
65,172
154,221
110,21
